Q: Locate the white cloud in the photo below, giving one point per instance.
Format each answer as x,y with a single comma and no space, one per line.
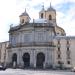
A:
67,21
7,11
11,9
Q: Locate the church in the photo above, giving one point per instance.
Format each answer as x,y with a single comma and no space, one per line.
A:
38,44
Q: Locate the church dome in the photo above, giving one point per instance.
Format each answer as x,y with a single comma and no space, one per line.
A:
42,9
24,18
51,8
24,14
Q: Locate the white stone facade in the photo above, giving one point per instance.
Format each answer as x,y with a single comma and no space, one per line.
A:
33,51
38,45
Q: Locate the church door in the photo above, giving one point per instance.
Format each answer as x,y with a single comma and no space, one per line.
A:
40,60
26,59
14,60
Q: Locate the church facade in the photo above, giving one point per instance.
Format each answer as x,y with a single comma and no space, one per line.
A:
39,44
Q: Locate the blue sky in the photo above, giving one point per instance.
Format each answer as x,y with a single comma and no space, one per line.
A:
11,9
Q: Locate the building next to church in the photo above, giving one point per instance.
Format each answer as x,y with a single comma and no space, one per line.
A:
38,44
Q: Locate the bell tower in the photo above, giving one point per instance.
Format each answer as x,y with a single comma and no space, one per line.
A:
49,14
42,13
24,18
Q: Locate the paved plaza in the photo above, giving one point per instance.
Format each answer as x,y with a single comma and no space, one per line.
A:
34,72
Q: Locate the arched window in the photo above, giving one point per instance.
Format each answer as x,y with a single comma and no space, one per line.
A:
67,41
59,56
41,15
22,20
58,48
68,62
50,17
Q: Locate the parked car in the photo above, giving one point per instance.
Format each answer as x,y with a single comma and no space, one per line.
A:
73,69
2,68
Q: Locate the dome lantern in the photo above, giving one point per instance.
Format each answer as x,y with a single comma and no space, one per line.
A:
24,18
51,8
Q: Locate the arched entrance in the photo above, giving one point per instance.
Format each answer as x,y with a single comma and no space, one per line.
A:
14,60
26,59
40,60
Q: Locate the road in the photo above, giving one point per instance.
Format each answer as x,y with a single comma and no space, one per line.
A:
34,72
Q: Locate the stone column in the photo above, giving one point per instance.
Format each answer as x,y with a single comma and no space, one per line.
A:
45,63
34,58
19,57
21,63
47,58
53,57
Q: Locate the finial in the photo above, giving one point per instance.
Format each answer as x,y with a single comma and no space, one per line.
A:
43,6
50,4
25,9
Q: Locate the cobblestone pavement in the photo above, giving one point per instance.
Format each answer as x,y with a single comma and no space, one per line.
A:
34,72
